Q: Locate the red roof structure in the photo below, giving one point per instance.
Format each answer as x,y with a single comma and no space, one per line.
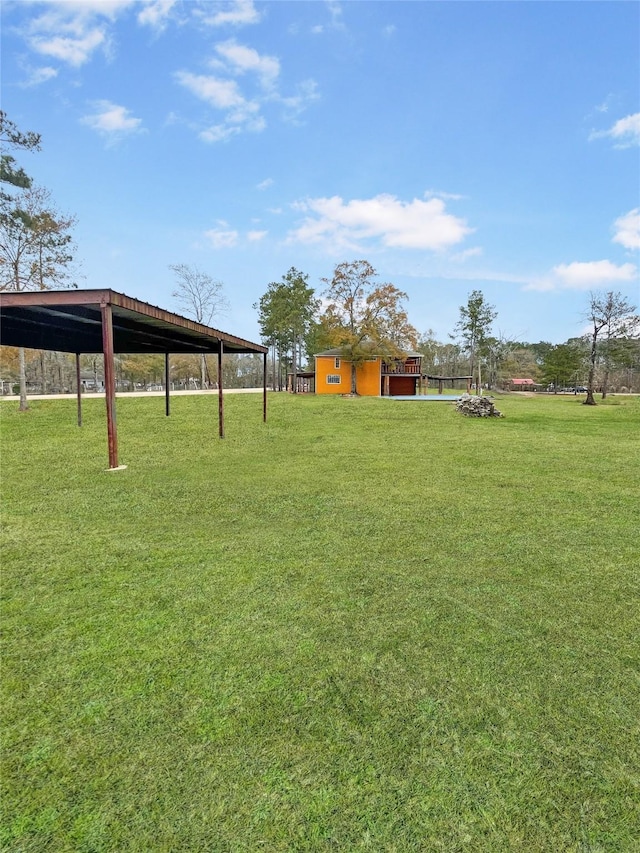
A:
104,321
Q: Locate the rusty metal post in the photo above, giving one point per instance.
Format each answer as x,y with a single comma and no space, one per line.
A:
166,383
79,389
220,397
109,382
264,387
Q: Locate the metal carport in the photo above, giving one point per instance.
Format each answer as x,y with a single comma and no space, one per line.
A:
107,322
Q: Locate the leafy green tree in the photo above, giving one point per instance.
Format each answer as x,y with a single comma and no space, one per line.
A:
10,172
286,315
364,318
562,363
473,329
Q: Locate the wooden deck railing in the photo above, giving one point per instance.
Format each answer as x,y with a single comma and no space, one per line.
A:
400,367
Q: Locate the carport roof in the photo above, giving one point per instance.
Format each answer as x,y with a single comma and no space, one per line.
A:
71,321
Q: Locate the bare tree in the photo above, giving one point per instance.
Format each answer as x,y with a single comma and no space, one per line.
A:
612,312
200,297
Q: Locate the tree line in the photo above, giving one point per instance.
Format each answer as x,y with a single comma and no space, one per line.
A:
354,313
360,316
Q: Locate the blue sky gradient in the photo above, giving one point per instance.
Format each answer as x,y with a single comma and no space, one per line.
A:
454,145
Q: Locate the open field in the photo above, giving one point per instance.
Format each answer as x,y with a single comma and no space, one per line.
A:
366,625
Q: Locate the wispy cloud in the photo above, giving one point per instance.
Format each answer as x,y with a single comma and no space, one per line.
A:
243,83
156,13
240,59
383,220
73,50
72,32
625,132
112,121
627,229
236,13
222,237
585,275
264,185
37,76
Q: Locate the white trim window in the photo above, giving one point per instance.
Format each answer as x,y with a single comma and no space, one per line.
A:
336,363
333,379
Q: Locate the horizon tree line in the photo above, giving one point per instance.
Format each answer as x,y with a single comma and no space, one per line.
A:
355,313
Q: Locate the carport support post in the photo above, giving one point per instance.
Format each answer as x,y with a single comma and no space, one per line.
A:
79,389
220,398
264,387
109,382
166,383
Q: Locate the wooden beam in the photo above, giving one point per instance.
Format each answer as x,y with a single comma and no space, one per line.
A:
167,377
79,389
109,382
264,387
220,396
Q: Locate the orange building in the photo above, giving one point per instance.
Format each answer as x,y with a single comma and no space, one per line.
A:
375,377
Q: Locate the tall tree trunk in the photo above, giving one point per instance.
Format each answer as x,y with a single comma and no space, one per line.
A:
354,382
605,383
23,381
592,372
294,370
273,367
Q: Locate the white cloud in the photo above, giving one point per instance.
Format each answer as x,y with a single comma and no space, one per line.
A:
306,93
39,75
474,252
72,31
236,13
155,13
74,50
585,275
625,132
256,236
240,59
222,94
334,7
264,185
112,120
385,219
221,239
446,196
628,229
218,133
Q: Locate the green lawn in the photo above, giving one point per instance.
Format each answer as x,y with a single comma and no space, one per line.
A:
366,625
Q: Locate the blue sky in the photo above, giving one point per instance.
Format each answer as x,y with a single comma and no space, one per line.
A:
454,145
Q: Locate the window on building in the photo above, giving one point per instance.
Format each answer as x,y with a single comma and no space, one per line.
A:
336,364
333,379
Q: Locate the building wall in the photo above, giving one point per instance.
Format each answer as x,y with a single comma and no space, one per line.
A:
367,377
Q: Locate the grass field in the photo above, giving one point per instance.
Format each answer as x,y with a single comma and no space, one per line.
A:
365,625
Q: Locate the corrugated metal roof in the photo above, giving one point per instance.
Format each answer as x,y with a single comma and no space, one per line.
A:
71,321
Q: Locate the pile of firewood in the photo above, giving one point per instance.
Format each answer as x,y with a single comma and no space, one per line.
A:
477,407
